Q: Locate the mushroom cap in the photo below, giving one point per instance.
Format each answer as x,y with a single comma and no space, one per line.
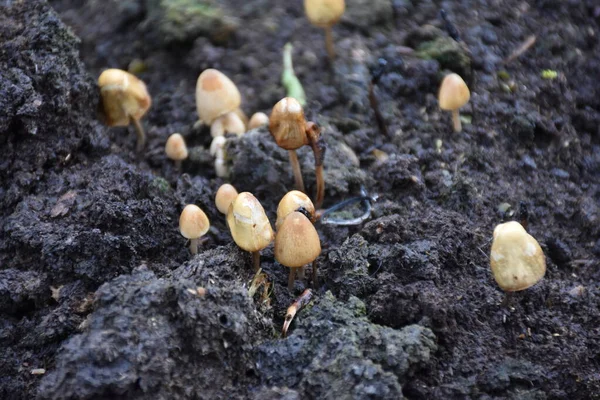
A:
176,148
248,223
216,95
124,97
291,202
297,241
324,13
288,125
454,93
516,259
225,195
228,123
193,223
258,119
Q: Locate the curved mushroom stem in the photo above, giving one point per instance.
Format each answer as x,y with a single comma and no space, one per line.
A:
319,147
314,275
456,121
194,246
292,278
256,260
329,43
296,169
141,136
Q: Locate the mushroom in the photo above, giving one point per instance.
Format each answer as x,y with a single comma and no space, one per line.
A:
217,150
258,119
290,130
193,224
325,14
296,244
225,195
453,95
516,258
249,225
228,123
125,100
294,201
176,149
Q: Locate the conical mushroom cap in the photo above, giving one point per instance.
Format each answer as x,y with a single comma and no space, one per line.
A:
176,148
291,202
297,241
216,95
224,197
454,93
324,13
248,223
193,223
287,124
516,259
124,97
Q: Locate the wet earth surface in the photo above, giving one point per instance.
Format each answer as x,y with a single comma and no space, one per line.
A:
97,287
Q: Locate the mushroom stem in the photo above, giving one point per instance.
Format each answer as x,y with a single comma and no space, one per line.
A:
314,275
292,279
296,169
256,260
194,246
141,136
301,273
329,43
320,186
456,121
178,165
318,146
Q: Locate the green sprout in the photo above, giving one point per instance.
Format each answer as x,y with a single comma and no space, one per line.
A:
289,79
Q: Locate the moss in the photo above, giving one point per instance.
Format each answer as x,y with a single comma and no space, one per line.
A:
161,185
449,53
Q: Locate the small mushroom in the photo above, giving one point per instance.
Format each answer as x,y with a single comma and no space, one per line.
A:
516,258
296,244
217,95
193,224
258,119
453,95
176,149
225,195
294,201
228,123
325,14
125,100
249,225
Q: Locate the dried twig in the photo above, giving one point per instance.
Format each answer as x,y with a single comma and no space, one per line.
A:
296,306
526,45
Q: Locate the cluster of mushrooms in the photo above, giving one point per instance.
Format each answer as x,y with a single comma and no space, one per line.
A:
517,261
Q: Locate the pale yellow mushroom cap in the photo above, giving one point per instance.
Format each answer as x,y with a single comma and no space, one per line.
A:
176,148
291,202
297,242
225,195
124,97
216,95
258,119
248,223
228,123
193,223
288,125
516,259
324,13
454,93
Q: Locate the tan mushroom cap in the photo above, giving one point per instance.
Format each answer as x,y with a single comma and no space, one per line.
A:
193,222
225,195
454,93
258,119
287,124
324,13
291,202
297,242
216,95
248,223
516,259
176,148
124,97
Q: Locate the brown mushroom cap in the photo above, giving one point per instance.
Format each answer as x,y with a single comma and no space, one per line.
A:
297,241
324,13
287,124
291,202
454,93
258,119
225,195
216,95
193,223
248,223
176,148
124,97
516,259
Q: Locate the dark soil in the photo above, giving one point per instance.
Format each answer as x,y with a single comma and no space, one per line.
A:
98,288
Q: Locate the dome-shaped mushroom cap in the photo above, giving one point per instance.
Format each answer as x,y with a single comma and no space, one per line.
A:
291,202
124,97
324,13
176,148
287,124
297,241
516,259
193,223
454,93
258,119
224,197
248,223
216,95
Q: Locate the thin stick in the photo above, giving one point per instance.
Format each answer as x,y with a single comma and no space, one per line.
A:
526,45
456,121
194,246
320,196
378,116
256,260
291,279
141,136
296,170
314,275
329,43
